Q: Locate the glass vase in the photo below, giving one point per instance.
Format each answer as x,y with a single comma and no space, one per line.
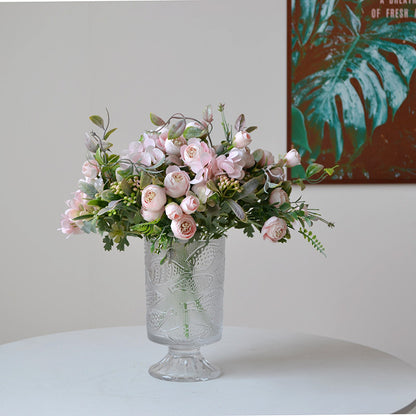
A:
184,296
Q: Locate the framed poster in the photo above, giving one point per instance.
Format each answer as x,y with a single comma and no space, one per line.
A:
352,88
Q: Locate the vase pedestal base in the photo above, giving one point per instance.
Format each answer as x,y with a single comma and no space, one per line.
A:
184,364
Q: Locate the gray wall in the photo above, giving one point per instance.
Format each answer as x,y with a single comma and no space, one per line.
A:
62,62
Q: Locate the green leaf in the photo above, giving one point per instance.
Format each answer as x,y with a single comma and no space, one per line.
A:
145,179
97,203
299,135
258,155
98,157
83,217
125,186
109,207
108,243
156,120
354,85
211,185
177,129
192,131
107,135
237,209
98,121
109,196
249,187
313,169
87,188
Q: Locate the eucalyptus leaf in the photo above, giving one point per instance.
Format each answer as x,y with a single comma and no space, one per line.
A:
258,155
191,132
87,188
207,114
156,120
237,209
98,121
145,179
249,187
240,122
125,186
177,129
109,196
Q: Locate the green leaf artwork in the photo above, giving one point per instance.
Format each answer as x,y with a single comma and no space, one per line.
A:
350,74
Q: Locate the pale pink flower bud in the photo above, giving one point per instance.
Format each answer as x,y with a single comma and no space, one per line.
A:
267,159
153,198
202,192
274,229
176,182
184,228
90,169
292,158
276,174
241,139
278,197
69,227
190,204
150,216
173,211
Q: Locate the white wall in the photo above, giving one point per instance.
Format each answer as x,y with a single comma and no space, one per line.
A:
61,62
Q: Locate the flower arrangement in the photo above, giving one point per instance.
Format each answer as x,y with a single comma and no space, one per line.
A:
174,184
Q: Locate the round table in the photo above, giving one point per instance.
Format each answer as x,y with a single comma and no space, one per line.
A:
103,372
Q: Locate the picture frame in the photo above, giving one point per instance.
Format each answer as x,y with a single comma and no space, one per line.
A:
351,88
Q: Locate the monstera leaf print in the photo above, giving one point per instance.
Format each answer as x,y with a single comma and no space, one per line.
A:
361,71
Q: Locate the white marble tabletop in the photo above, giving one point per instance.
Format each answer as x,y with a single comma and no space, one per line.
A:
103,372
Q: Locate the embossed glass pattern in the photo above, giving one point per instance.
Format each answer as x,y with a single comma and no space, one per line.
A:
185,306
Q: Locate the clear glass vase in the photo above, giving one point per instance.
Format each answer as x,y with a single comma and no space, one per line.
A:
185,306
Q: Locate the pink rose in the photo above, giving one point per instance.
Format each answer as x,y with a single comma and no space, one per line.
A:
196,154
274,229
241,139
173,146
184,228
190,204
153,198
90,169
150,216
292,158
173,211
278,197
176,182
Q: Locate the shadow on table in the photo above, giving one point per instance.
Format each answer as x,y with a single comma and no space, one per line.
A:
263,360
